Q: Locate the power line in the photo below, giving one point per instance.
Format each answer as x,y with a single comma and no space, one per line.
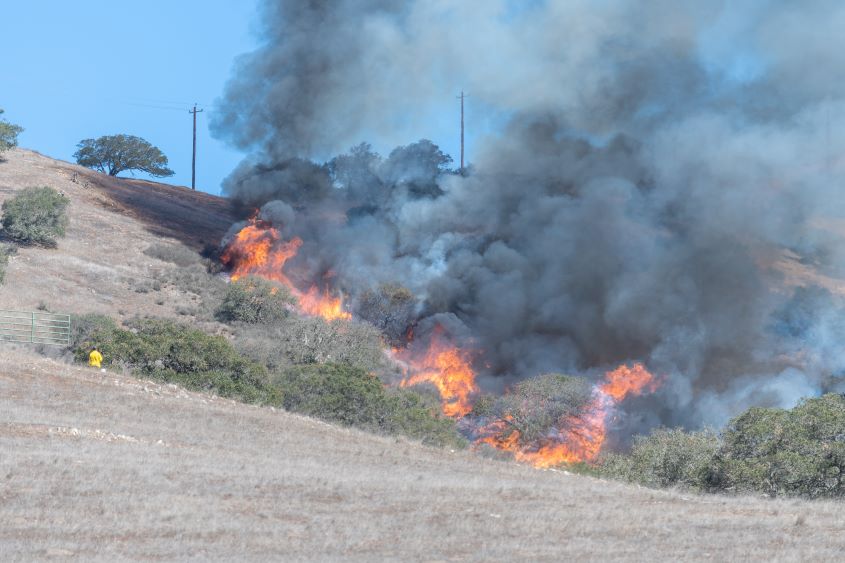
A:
154,106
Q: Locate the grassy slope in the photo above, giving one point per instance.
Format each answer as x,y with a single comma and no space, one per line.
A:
111,222
106,467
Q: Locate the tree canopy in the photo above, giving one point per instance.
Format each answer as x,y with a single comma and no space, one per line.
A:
113,154
8,134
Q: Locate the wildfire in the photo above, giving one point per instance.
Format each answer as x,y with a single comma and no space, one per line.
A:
447,368
624,381
258,250
322,304
577,439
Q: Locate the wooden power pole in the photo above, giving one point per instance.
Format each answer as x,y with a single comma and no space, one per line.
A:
195,111
461,97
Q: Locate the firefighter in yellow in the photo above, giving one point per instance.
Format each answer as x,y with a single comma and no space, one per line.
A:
95,359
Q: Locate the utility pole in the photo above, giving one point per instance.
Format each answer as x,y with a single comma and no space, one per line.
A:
461,97
194,111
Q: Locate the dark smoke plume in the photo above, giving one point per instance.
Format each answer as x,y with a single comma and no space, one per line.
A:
668,176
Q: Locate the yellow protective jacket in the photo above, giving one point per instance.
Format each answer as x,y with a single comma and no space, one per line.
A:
94,359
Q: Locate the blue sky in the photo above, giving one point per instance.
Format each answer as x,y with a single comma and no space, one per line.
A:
75,70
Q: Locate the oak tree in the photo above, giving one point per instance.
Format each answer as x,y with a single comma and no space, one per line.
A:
113,154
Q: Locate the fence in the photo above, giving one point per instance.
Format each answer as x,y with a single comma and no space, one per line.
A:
35,328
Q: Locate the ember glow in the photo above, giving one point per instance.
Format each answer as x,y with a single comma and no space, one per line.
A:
259,250
447,368
576,439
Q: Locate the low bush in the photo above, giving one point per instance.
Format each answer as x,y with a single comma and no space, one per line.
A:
668,458
254,300
35,216
777,452
173,253
787,452
351,396
417,415
167,351
312,340
87,330
535,406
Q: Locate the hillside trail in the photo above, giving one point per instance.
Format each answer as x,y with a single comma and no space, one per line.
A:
107,467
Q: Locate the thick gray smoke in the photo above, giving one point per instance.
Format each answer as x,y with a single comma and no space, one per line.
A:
668,175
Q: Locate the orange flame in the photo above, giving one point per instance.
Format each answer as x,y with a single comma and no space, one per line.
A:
447,368
624,381
258,250
322,304
578,438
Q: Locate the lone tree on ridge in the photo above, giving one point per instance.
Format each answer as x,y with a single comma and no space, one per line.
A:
112,154
8,134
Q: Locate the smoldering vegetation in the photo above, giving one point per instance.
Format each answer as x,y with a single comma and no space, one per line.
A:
642,173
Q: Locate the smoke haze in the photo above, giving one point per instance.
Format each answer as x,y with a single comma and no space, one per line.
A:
665,175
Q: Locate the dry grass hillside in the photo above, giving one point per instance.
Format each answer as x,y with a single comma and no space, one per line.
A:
106,467
100,263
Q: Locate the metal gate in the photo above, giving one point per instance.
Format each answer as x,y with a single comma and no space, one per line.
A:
35,328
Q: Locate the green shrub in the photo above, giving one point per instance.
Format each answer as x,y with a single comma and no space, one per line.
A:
351,396
668,458
416,416
86,331
788,452
35,216
167,351
253,300
312,340
777,452
173,253
5,252
334,392
534,406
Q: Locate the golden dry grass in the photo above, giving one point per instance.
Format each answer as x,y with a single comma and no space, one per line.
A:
100,262
107,467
